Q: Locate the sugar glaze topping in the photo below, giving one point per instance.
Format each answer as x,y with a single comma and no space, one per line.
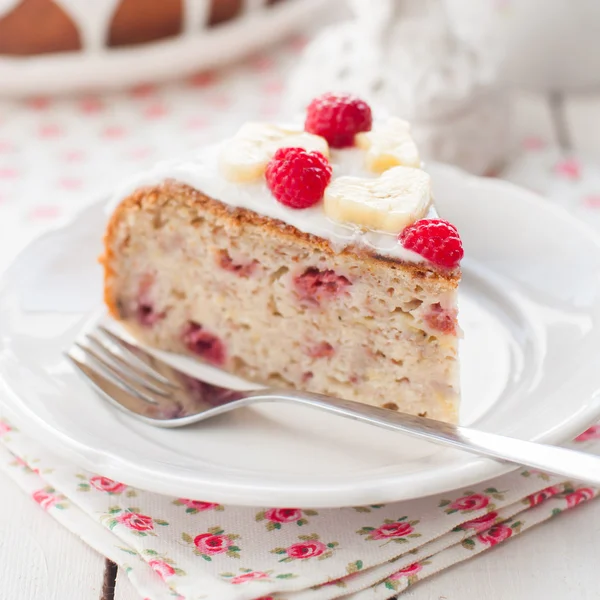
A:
201,171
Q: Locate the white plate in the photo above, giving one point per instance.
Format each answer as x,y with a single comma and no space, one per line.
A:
530,309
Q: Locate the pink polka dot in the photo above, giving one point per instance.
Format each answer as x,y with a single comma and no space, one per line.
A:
298,43
262,63
114,132
8,173
52,130
533,143
203,79
592,201
70,183
196,123
73,156
269,109
44,212
6,146
38,103
155,111
273,87
140,153
143,90
220,100
568,168
91,105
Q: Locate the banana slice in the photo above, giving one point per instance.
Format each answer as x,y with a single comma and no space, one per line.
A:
389,145
391,202
244,157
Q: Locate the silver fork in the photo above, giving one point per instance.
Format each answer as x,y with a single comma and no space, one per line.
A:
144,387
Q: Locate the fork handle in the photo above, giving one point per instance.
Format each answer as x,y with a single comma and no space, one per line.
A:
572,464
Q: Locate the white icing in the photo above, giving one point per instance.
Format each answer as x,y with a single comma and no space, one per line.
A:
195,15
252,6
201,172
7,5
92,19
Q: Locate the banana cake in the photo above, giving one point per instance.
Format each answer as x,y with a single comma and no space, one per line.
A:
306,256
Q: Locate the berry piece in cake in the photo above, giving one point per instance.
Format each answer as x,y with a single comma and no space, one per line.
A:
203,343
145,311
338,118
242,269
313,285
435,240
321,350
298,178
442,320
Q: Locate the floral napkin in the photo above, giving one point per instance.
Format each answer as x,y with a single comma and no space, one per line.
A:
191,549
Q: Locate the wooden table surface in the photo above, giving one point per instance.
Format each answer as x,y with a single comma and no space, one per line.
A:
39,560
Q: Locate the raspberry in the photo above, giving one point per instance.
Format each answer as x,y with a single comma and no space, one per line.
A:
204,344
338,118
145,311
434,239
441,320
246,269
298,178
321,350
314,285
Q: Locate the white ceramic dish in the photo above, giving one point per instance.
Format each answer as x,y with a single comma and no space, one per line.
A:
530,308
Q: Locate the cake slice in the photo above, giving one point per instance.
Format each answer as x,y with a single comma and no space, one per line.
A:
298,257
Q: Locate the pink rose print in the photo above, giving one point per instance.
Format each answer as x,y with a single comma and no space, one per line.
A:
498,533
212,542
139,524
283,515
396,531
4,428
480,524
578,496
406,572
209,544
136,521
306,549
275,517
195,506
390,530
310,546
539,497
163,569
593,433
104,484
472,502
245,577
45,498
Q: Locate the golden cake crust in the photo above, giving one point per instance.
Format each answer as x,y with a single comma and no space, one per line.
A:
237,217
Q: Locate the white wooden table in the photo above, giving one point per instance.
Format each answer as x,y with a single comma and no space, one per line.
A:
39,560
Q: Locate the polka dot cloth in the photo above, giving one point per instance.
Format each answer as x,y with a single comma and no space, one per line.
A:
59,154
